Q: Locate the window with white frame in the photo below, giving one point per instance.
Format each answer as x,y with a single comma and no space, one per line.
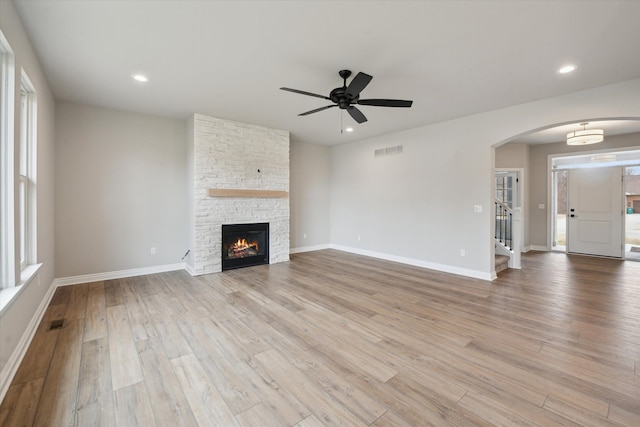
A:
17,222
7,241
27,182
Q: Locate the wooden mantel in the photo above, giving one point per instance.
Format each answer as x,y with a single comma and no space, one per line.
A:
232,192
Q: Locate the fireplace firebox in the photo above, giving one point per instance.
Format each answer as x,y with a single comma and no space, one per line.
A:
245,245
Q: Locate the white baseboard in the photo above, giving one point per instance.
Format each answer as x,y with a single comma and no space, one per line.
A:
418,263
189,269
11,367
302,249
88,278
539,248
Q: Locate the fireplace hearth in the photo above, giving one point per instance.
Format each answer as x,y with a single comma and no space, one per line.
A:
245,245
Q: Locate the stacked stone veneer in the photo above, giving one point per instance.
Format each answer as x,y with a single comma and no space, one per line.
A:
231,155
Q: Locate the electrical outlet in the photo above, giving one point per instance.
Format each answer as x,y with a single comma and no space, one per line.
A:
304,236
463,252
477,208
359,238
153,251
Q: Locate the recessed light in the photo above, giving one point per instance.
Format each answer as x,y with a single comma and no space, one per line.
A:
567,69
349,129
140,78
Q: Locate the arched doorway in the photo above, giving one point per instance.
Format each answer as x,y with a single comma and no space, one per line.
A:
532,152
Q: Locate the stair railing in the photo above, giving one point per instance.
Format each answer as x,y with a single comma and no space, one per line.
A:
504,224
508,232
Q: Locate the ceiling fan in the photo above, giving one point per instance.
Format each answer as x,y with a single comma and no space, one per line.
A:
346,97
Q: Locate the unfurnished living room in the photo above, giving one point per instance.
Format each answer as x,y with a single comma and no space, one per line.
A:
319,213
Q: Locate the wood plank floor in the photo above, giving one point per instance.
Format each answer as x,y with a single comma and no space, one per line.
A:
332,338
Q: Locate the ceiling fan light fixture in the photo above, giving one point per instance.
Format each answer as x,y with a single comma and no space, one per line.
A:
585,136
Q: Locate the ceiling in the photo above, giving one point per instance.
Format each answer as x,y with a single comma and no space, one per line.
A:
228,59
559,133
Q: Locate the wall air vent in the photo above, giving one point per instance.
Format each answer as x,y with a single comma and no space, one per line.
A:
388,151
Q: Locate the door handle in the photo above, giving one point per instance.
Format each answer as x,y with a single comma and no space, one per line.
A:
574,216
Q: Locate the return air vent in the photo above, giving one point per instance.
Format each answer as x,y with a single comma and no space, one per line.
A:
56,324
388,151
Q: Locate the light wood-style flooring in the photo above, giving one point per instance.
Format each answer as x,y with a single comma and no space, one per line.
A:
333,338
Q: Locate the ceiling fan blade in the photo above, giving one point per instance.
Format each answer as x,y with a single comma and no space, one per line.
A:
359,82
356,114
385,102
316,110
302,92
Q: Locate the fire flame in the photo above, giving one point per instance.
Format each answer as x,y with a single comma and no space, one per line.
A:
243,244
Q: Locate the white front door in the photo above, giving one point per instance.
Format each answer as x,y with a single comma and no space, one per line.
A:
595,212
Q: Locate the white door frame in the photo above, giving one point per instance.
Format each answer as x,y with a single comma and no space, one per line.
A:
550,170
521,198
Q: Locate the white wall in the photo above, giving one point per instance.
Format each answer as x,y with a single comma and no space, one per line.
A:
15,318
121,189
310,196
190,178
418,207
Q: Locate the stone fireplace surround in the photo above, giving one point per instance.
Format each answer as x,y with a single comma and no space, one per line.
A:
229,155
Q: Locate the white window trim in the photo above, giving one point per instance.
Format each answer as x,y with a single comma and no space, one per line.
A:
23,220
30,214
7,148
10,285
27,275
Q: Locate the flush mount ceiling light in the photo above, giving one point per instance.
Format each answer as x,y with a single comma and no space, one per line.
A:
349,130
585,136
567,69
140,78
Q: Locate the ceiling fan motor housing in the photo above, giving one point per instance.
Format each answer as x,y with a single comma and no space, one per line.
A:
340,96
